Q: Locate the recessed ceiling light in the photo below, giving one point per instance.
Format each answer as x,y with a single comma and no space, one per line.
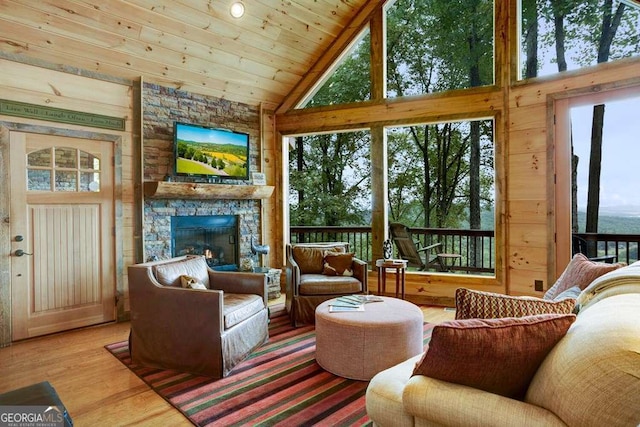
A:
237,9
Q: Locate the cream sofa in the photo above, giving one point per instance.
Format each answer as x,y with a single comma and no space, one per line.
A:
590,378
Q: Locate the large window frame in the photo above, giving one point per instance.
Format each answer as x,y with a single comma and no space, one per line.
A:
466,104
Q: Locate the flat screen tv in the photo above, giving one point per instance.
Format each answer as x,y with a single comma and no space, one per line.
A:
209,152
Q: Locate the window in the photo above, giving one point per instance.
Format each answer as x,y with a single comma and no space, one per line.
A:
350,81
442,186
433,46
329,179
563,35
63,169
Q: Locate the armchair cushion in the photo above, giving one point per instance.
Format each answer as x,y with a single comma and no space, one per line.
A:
500,356
168,274
581,271
338,264
239,307
320,284
472,304
310,258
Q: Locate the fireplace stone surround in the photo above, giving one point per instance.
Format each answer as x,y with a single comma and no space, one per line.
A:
161,107
158,215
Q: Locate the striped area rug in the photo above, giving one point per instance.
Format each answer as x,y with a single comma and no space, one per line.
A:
279,384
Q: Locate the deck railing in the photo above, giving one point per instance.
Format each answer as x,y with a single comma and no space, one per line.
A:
476,247
466,243
359,238
623,247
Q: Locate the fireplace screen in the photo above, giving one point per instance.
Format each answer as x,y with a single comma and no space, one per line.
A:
215,236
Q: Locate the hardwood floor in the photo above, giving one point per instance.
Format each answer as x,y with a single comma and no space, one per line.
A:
94,386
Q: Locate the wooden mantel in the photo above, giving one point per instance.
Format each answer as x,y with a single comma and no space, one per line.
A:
194,190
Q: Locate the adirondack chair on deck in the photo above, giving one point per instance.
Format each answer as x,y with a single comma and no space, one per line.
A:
408,249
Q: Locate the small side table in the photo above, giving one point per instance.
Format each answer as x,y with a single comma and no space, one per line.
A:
400,265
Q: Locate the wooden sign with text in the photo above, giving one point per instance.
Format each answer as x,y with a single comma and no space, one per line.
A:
52,114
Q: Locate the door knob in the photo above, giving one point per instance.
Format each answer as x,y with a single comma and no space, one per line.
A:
20,252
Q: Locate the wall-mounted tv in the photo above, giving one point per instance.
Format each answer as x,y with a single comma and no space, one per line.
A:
209,152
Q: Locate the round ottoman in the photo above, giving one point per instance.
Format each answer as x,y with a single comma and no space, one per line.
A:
360,344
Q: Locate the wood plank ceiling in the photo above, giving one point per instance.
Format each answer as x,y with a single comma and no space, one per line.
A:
193,45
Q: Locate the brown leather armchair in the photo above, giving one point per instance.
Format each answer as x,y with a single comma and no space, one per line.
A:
205,332
307,286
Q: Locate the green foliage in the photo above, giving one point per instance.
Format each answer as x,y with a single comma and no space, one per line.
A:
432,46
580,28
351,80
445,178
333,185
197,158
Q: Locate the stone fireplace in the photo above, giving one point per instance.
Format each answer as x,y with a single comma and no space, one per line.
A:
214,236
162,107
222,227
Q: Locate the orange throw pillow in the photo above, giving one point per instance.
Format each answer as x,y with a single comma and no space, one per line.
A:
500,356
337,264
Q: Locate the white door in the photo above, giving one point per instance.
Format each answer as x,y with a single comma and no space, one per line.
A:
62,224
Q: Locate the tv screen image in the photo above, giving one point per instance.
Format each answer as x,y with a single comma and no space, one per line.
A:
210,152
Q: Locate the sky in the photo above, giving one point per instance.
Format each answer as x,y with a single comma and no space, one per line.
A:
620,153
621,142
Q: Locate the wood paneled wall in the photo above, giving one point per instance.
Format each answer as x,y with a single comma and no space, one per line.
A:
531,199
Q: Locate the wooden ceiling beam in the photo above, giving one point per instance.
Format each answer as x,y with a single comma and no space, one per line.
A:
470,103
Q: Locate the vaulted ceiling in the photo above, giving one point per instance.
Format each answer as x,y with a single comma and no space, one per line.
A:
193,45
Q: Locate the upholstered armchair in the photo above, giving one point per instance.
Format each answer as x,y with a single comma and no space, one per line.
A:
316,272
205,328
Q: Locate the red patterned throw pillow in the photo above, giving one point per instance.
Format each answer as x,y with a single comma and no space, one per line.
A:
581,271
500,356
472,304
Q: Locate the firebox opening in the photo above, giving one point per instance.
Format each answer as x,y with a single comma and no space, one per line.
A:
214,236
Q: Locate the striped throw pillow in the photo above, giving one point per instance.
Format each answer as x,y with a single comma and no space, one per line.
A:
472,304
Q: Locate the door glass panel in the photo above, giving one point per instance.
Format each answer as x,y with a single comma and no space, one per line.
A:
66,158
70,166
89,161
89,181
40,158
66,181
39,180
